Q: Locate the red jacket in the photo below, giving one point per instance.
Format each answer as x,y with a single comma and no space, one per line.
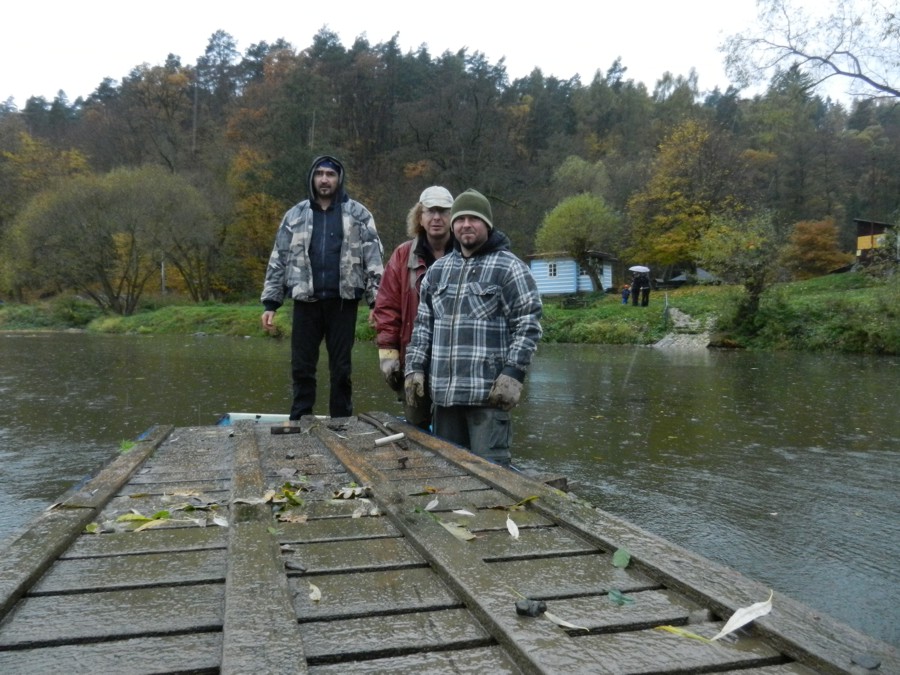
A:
398,298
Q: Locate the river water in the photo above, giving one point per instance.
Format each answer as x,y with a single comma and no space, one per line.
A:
782,466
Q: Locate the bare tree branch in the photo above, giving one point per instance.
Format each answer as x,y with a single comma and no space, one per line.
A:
856,39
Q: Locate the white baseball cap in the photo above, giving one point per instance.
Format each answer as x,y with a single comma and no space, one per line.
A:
436,196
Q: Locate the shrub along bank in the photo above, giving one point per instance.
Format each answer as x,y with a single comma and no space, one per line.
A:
851,313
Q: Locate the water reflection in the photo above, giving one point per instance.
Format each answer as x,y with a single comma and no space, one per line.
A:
780,465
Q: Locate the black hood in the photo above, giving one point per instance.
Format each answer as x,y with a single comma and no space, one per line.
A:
341,196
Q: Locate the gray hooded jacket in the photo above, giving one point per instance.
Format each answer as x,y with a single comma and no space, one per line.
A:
289,270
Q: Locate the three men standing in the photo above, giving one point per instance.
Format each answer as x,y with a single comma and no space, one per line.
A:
327,256
476,331
478,319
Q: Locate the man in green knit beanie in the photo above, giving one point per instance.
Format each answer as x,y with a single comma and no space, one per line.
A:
476,331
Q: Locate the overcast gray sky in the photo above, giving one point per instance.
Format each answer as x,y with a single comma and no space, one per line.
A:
52,45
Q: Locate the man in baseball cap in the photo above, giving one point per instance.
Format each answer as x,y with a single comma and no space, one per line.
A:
428,225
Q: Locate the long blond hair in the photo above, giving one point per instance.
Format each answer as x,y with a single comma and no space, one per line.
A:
414,220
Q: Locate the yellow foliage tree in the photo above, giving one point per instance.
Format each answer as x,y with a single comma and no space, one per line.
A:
813,250
695,176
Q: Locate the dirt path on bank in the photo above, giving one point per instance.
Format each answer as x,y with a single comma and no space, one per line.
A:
686,332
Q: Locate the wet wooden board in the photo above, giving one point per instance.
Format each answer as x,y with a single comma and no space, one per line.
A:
357,554
134,571
68,619
374,584
367,594
193,652
336,529
395,634
491,660
150,541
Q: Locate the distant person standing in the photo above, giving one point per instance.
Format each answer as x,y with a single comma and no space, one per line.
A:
475,334
635,289
626,291
428,223
327,256
645,290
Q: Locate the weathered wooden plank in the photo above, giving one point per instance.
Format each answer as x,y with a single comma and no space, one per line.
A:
411,463
100,488
370,593
655,651
60,619
330,641
194,653
389,459
282,473
571,575
27,556
427,474
444,483
495,519
642,609
336,529
359,555
188,502
499,544
178,478
492,660
260,628
149,541
792,668
188,485
133,571
334,508
451,499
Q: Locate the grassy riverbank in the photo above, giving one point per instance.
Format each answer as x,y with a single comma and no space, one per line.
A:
851,313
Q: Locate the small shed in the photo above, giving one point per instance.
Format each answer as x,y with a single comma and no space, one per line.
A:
559,274
870,234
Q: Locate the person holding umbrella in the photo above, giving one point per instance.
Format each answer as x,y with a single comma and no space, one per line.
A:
640,285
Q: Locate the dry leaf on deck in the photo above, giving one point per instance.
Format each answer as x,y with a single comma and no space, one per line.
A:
745,615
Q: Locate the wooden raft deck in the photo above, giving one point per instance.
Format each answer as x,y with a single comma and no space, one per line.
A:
399,592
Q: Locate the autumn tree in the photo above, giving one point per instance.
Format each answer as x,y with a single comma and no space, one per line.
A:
797,129
256,218
107,236
157,105
698,173
812,249
579,226
576,175
856,40
28,165
745,252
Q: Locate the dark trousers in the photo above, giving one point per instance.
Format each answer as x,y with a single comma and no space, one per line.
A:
645,296
334,320
484,431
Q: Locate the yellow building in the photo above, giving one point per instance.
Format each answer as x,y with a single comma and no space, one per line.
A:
870,234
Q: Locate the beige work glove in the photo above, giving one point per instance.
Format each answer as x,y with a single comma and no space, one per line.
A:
389,362
505,393
415,388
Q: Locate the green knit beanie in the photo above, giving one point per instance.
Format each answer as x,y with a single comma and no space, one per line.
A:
472,203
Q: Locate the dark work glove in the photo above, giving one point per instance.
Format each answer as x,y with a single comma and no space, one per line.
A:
505,393
415,388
